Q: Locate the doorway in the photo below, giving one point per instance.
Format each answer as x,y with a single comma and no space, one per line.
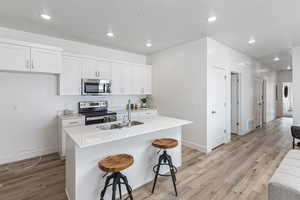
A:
235,103
260,118
287,99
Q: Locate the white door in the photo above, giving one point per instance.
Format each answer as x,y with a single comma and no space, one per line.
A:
235,103
47,61
259,103
104,70
70,79
14,57
217,112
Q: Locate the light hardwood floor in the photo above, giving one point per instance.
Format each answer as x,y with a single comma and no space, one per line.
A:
239,170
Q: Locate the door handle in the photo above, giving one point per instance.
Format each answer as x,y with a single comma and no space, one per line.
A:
32,64
213,112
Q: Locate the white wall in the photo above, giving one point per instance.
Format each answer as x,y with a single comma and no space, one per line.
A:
179,88
296,85
285,76
233,61
29,102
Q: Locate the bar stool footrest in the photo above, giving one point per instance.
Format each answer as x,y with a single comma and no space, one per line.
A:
155,169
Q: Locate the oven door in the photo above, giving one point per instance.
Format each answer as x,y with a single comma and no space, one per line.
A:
95,87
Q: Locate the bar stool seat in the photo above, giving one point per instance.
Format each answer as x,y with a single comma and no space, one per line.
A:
165,143
165,159
115,164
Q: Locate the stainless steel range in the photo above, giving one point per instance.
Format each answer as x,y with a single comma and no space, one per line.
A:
96,112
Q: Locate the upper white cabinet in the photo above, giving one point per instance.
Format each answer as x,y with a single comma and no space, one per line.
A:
121,79
46,61
28,57
70,78
141,79
131,79
14,57
95,69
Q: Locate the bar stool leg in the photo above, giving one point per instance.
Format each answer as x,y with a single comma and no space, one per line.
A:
157,172
120,191
114,187
172,174
127,187
105,186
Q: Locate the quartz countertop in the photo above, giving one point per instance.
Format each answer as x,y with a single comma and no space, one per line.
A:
85,136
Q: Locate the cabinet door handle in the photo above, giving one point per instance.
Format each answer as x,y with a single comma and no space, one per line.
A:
213,112
27,64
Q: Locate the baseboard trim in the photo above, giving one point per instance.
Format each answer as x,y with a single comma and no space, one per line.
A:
26,155
193,145
67,194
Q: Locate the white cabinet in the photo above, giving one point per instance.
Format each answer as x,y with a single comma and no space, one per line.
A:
95,69
121,79
70,78
46,61
14,57
27,57
142,79
65,122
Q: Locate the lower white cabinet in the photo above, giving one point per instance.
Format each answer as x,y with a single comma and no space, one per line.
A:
65,122
70,78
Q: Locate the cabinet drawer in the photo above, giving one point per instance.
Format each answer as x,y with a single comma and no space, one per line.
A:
72,122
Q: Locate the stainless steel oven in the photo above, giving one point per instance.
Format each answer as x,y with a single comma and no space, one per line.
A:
95,87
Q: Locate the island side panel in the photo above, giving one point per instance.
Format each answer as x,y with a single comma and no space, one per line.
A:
89,180
70,169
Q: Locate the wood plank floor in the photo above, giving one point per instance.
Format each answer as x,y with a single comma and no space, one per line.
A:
239,170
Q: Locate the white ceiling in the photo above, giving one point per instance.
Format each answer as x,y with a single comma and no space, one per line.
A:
273,23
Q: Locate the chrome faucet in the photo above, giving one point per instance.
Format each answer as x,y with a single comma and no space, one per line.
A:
129,112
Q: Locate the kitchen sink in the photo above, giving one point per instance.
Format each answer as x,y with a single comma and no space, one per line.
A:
119,125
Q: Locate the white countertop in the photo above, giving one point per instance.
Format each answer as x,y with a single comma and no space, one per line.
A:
85,136
70,116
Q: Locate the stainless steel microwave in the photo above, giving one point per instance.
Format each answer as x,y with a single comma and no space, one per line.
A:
95,87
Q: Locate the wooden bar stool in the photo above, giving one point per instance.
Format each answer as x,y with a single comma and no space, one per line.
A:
165,159
114,164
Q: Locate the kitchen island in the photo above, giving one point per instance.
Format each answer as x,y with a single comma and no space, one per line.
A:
87,145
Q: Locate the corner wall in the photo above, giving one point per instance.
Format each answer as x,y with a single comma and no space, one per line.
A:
296,85
179,88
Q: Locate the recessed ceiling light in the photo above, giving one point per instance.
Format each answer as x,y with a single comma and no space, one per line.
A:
45,16
276,59
148,44
251,41
212,19
110,34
